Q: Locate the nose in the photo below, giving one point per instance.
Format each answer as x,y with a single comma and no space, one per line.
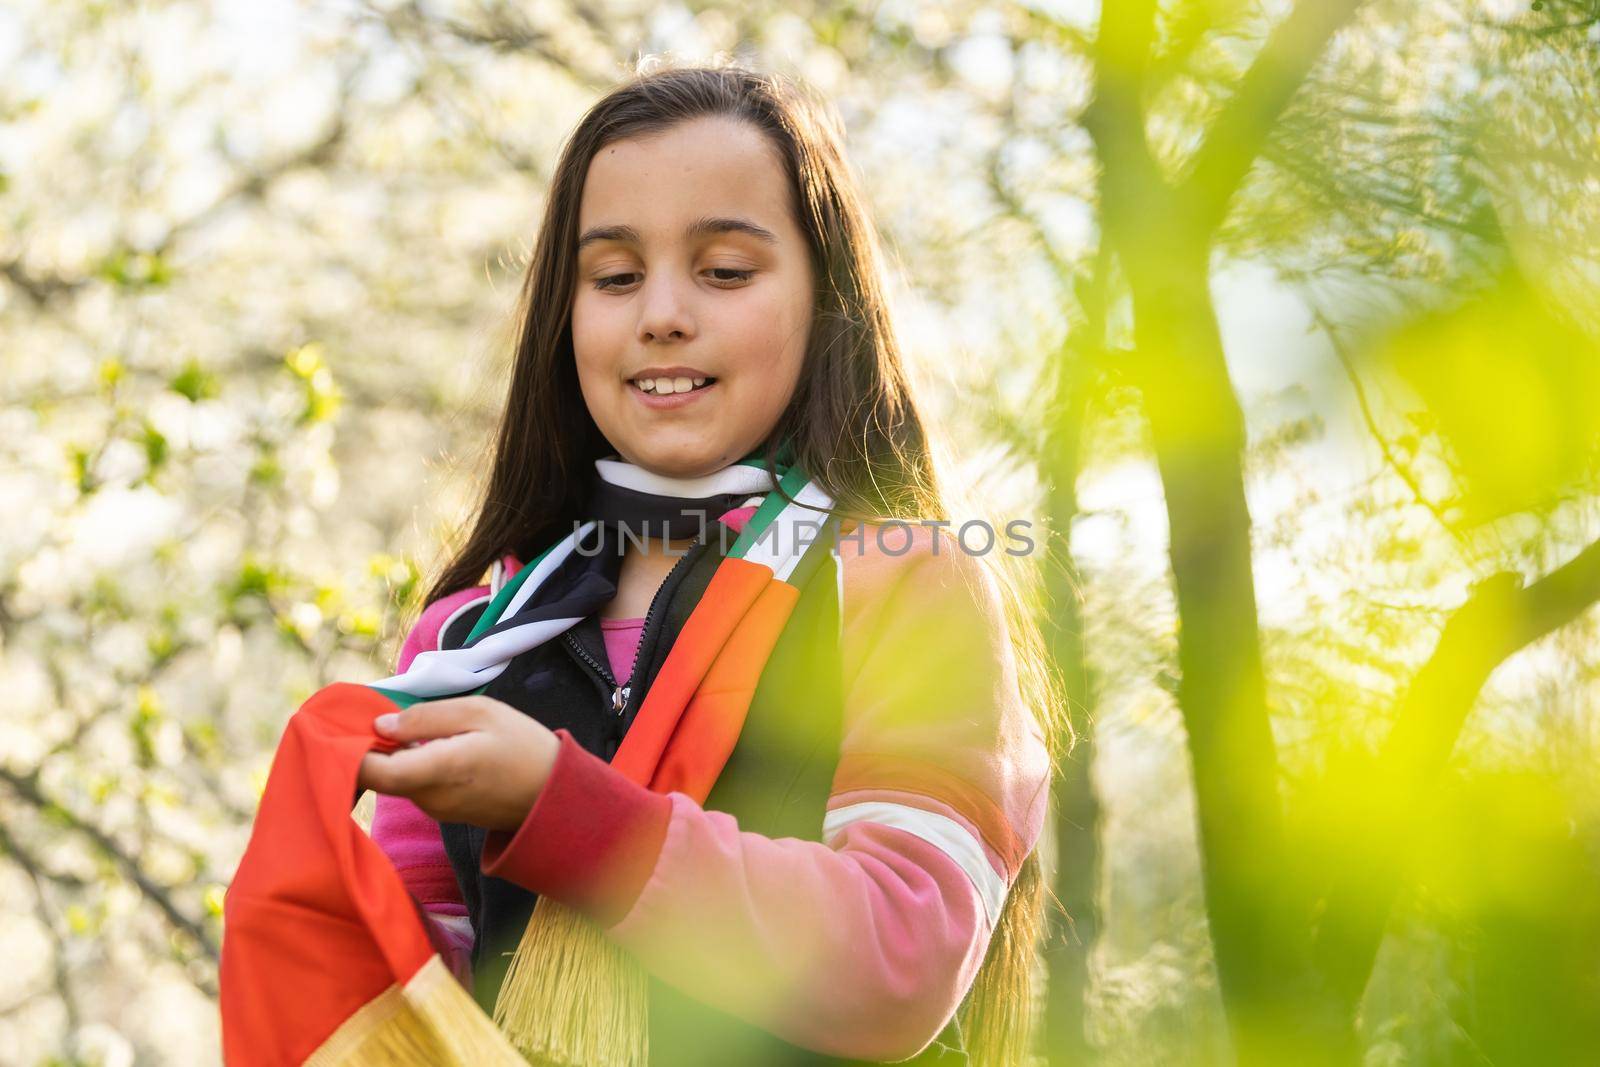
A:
664,311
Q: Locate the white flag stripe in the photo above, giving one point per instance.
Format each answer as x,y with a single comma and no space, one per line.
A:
807,522
455,670
738,478
778,545
553,559
440,672
940,831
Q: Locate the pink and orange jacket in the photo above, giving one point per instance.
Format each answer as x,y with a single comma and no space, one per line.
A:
859,943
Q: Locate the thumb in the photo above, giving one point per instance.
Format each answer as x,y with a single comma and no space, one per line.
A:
430,718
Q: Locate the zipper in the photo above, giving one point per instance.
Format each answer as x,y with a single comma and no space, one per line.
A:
599,668
620,698
622,694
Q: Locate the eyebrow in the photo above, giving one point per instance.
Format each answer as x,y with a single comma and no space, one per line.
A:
710,224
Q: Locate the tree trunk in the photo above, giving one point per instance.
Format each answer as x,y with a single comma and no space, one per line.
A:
1075,809
1258,913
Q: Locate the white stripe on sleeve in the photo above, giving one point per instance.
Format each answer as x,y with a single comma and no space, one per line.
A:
940,831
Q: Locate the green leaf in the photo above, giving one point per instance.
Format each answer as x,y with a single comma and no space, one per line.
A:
155,447
194,382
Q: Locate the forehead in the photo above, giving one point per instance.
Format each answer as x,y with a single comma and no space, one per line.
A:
708,165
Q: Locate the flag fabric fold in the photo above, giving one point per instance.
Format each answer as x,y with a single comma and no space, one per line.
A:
325,959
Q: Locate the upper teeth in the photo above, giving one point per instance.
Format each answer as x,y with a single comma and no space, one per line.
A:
663,386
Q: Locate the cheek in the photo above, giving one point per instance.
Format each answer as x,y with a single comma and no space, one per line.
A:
776,330
792,346
777,358
586,333
594,343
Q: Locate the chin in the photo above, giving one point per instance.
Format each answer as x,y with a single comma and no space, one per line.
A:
684,461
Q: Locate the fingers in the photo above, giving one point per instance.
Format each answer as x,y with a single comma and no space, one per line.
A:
407,772
369,774
432,718
386,773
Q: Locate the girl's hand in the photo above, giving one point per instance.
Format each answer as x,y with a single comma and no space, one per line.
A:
483,762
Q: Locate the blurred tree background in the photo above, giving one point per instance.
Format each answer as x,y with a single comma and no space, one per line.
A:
1279,317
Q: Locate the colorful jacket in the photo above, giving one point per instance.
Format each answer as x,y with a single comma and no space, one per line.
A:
858,939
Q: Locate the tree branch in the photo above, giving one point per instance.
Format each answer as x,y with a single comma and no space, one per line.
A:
27,788
1368,417
38,875
1115,115
1237,135
1498,620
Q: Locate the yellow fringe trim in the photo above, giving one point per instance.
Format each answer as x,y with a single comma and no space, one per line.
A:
431,1020
572,997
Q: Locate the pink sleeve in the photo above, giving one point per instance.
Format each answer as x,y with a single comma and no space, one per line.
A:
861,943
410,838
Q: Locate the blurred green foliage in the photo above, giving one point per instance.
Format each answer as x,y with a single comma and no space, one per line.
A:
1513,392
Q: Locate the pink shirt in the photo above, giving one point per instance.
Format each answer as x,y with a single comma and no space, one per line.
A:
860,942
622,644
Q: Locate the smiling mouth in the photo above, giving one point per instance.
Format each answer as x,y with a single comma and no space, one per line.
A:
669,386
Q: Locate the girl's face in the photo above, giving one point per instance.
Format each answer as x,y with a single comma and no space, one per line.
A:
694,294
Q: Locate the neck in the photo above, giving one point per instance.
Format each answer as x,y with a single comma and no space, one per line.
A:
660,517
656,548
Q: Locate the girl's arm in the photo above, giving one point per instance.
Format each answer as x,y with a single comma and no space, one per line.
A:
411,838
864,942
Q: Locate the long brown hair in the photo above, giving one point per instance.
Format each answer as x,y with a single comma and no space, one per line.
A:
852,424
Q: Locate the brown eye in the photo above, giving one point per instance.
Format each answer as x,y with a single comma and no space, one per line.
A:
738,275
610,281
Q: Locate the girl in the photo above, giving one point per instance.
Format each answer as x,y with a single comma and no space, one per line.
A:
704,299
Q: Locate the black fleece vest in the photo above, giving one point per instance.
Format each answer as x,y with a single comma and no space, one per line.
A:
776,783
